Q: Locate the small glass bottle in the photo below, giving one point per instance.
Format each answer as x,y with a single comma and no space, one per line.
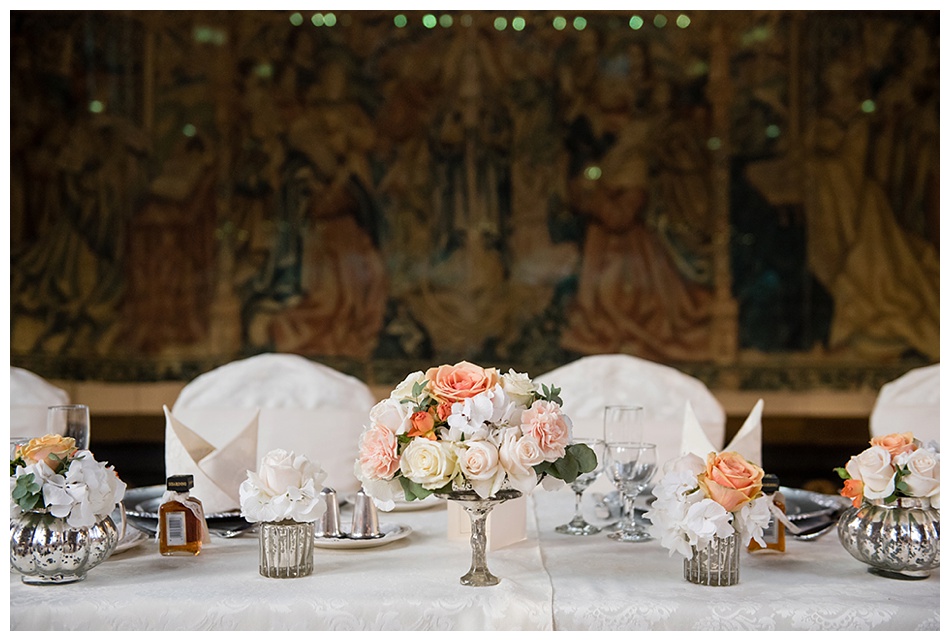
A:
181,519
774,534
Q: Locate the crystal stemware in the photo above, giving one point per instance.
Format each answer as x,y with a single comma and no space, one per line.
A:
630,466
623,423
578,526
69,420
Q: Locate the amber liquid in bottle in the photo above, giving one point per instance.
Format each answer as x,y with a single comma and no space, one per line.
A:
179,530
774,534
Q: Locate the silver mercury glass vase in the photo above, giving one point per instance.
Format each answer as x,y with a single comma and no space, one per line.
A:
286,549
898,540
717,563
45,549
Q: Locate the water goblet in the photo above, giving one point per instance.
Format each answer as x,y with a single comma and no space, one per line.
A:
623,423
69,420
630,466
578,526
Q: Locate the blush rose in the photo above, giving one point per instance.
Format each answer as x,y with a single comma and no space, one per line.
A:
730,480
454,383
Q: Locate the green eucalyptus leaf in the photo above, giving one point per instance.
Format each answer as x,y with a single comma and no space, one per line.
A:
566,468
586,459
843,473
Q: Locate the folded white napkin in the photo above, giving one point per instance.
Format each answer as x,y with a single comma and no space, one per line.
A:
216,454
30,398
910,403
327,435
747,441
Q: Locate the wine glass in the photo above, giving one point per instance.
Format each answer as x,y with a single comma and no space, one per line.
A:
577,525
631,467
623,423
69,420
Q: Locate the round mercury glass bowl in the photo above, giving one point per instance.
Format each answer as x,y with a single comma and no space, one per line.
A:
45,549
898,540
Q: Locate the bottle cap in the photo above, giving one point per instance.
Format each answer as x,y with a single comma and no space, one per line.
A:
180,483
770,483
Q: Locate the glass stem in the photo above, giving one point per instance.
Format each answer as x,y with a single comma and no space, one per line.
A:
578,515
629,517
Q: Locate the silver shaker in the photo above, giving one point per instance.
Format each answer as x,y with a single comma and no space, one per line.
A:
329,524
365,518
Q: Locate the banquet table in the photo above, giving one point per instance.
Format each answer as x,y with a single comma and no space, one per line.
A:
549,581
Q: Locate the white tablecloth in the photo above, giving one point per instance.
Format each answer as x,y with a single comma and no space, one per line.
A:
548,581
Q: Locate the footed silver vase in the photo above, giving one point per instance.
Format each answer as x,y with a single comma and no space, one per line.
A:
898,540
478,510
45,549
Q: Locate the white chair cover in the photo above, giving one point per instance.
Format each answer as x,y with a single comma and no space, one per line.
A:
910,403
590,383
30,397
305,407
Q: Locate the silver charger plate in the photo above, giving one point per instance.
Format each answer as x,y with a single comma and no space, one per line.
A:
801,505
141,511
391,532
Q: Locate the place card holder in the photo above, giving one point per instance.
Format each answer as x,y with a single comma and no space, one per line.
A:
507,523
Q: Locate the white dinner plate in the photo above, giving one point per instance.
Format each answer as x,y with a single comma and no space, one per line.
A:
132,538
391,533
403,505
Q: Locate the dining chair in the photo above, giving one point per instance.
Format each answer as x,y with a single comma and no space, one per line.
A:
30,397
909,403
300,406
592,382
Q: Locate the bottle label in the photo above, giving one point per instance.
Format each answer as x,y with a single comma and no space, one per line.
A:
175,529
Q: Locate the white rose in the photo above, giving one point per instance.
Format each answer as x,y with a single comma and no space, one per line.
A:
519,387
392,415
286,486
431,464
518,456
404,389
873,467
478,461
924,478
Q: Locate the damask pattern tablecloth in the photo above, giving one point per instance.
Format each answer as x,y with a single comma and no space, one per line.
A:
549,581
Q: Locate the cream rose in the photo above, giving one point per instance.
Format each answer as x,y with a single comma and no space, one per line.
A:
518,456
479,464
923,481
378,457
518,387
51,449
896,443
730,480
431,464
404,389
545,422
455,383
392,415
873,467
285,486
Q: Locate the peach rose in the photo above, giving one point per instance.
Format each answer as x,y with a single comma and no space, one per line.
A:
548,426
854,490
454,383
895,443
378,454
49,449
422,425
443,410
730,480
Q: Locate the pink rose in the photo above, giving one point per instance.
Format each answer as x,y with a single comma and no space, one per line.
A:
895,443
454,383
548,426
730,480
378,458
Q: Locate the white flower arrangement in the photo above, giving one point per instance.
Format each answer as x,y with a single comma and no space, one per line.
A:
286,486
464,426
699,501
896,465
50,474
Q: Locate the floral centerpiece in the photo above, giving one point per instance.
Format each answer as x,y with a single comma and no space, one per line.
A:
286,486
61,500
896,465
893,524
464,426
285,496
699,501
51,474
